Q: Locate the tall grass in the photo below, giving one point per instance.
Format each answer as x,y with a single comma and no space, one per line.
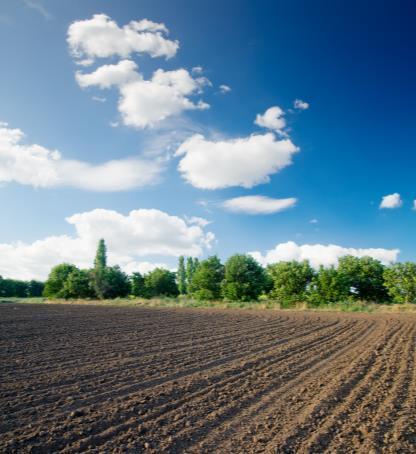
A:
185,302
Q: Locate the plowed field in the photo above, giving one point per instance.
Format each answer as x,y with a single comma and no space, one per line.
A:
124,379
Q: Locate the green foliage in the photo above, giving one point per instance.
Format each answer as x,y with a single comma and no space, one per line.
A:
191,267
365,276
328,285
100,261
110,282
290,281
207,279
137,285
54,285
78,284
400,281
244,279
20,289
160,282
34,289
181,276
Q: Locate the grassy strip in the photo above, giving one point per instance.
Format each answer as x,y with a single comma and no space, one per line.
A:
357,306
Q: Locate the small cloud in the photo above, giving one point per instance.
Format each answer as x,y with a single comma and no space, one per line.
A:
197,69
99,99
195,220
38,7
391,201
313,221
272,119
300,105
114,124
258,204
225,88
414,205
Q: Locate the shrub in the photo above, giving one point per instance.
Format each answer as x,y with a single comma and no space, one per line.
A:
244,279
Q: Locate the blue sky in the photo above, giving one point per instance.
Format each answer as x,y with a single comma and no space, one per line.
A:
351,62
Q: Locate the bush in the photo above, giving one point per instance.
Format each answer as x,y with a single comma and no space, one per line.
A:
207,279
78,285
290,281
365,276
110,282
244,279
160,282
328,286
54,285
400,281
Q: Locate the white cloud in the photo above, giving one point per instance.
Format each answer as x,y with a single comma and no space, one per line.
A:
197,69
257,204
37,166
246,161
300,105
141,233
414,205
101,37
195,220
144,103
99,99
319,254
225,88
107,76
272,119
391,201
313,221
144,267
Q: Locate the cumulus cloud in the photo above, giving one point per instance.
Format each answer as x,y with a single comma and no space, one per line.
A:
246,161
107,76
141,233
101,37
144,103
272,119
257,204
391,201
300,105
224,88
320,254
37,166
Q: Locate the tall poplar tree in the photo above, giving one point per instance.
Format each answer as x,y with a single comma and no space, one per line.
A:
181,275
100,262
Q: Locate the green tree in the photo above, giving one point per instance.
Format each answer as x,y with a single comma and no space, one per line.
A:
78,284
110,282
400,281
35,288
244,279
100,261
54,285
160,282
290,280
328,285
181,276
207,279
365,276
137,285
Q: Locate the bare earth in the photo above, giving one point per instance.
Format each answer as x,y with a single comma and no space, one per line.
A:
124,379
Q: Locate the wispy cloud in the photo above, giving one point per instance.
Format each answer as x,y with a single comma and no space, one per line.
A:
38,7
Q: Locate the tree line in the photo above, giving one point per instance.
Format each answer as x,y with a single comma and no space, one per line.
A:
20,289
240,278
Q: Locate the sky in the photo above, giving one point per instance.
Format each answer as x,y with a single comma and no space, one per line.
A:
283,129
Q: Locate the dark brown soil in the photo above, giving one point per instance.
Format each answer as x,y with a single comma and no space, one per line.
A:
120,379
